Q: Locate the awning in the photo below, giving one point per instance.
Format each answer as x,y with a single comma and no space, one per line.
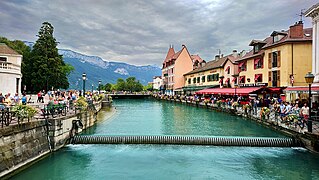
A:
241,77
257,76
227,80
241,64
221,80
274,89
229,91
257,61
234,79
227,68
314,90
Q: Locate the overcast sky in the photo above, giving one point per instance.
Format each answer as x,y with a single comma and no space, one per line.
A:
139,32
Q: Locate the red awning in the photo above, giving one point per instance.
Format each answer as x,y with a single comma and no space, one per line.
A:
241,77
227,68
257,76
221,80
241,64
229,91
314,90
256,61
274,89
227,80
234,79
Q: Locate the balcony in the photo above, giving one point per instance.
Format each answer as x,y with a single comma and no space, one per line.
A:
8,67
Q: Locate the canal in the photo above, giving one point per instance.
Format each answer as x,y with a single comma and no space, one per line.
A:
147,117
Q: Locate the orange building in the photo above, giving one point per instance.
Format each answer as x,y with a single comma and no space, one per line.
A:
175,66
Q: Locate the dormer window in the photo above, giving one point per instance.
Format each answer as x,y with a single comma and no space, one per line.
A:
278,35
256,48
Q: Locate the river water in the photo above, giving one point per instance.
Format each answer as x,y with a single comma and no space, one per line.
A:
147,117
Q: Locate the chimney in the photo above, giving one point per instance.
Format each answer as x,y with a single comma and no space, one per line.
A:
235,54
216,57
296,30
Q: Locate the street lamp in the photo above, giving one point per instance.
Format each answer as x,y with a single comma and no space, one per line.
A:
309,79
99,88
84,79
92,88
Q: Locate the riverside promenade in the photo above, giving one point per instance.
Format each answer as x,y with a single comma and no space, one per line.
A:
270,120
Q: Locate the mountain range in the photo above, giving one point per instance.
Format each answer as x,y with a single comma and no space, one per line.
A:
97,69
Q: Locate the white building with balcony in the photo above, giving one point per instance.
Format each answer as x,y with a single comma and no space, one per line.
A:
157,82
10,70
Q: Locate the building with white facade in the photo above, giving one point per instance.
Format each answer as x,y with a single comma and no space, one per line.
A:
10,70
157,82
313,12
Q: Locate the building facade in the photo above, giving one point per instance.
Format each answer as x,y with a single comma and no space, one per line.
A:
313,12
216,73
175,66
157,82
10,70
280,60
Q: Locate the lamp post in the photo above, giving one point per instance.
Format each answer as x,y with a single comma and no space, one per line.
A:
309,79
92,88
99,88
235,86
84,79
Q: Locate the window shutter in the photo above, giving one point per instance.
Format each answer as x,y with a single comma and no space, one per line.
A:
269,61
278,78
255,64
278,59
269,78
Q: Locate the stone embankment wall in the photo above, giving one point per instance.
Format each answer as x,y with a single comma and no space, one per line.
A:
24,143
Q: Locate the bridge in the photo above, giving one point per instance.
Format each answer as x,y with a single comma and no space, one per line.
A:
129,96
187,140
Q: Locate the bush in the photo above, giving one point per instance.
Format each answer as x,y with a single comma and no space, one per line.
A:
24,111
81,103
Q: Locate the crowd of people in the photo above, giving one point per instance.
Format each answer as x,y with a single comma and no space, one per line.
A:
296,112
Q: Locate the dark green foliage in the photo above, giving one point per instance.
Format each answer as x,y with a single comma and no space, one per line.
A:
107,87
48,67
131,85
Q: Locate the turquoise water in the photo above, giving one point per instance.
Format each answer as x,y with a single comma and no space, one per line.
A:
174,162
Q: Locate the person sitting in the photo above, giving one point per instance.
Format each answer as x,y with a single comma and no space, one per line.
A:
7,101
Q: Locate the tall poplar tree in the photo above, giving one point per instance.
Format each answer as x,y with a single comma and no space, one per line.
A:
48,67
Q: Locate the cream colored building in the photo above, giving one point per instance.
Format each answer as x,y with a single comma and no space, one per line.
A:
10,70
216,73
313,12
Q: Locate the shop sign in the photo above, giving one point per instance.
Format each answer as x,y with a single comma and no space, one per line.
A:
253,85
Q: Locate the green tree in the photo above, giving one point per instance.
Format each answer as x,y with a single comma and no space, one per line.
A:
120,85
148,87
48,67
108,87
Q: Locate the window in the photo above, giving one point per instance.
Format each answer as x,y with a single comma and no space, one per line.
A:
194,80
189,81
258,78
198,79
256,48
203,79
3,59
172,70
274,59
242,66
258,63
210,78
275,38
242,79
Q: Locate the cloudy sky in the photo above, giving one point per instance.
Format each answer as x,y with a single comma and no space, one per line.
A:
139,31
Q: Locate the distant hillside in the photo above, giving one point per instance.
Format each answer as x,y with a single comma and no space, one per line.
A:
96,68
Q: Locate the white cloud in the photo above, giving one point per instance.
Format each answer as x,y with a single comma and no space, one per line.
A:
140,31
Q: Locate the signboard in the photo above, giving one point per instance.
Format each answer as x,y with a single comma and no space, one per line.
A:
213,71
253,85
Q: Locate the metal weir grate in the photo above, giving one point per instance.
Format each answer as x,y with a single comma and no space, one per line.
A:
187,140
